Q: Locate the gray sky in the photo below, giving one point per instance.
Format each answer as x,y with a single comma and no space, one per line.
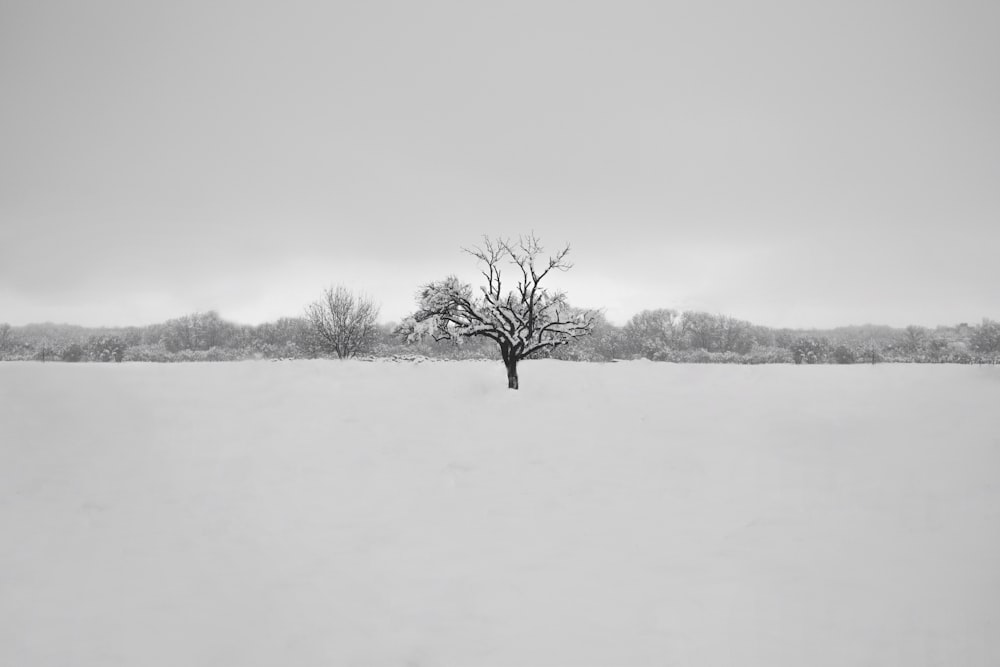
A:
791,163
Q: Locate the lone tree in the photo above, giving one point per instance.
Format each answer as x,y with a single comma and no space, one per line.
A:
342,322
523,321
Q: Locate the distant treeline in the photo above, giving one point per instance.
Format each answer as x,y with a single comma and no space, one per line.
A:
658,335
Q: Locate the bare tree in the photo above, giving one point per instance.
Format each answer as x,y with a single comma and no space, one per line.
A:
522,321
342,322
914,339
653,332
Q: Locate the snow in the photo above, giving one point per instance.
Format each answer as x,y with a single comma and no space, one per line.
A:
629,514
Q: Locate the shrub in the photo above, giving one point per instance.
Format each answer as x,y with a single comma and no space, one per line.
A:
73,353
770,355
808,350
844,355
153,353
106,348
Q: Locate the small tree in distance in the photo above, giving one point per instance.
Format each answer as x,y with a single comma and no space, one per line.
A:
521,321
343,323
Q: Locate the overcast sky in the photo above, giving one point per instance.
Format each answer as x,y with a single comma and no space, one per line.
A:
792,163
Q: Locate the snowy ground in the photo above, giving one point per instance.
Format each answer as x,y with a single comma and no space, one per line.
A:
324,513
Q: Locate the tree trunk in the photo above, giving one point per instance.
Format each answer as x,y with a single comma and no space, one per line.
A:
511,373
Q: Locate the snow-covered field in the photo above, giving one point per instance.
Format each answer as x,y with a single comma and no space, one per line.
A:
325,513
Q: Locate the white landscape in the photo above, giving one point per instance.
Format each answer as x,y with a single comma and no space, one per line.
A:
323,513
